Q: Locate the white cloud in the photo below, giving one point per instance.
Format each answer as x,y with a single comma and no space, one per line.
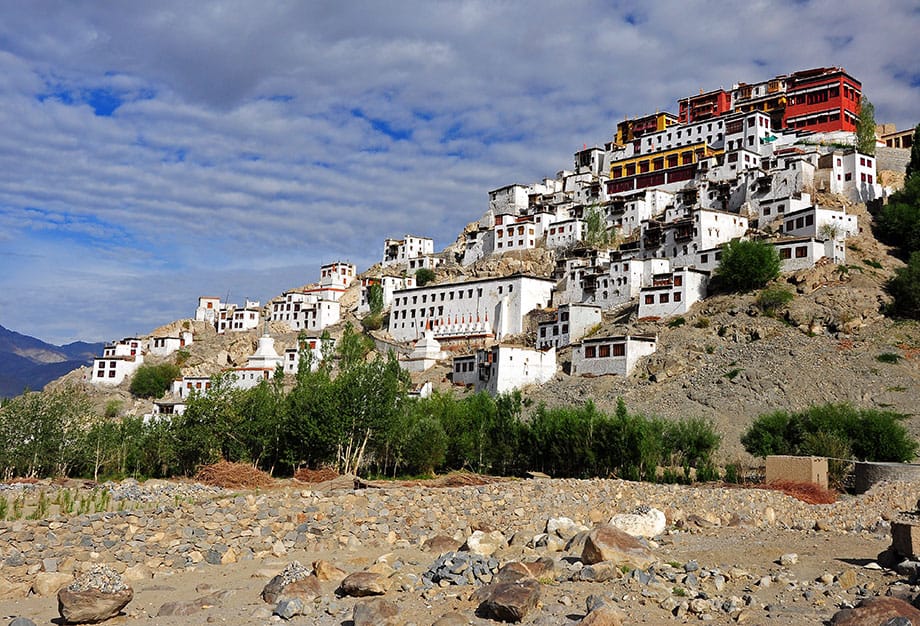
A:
237,158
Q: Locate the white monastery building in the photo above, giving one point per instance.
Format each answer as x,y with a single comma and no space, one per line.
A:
502,368
454,311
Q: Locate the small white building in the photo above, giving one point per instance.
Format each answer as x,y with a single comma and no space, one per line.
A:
318,348
673,293
208,309
626,211
476,308
822,223
164,346
501,369
184,387
165,410
798,253
618,355
622,280
571,323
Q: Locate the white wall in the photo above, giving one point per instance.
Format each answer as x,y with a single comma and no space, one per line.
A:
670,298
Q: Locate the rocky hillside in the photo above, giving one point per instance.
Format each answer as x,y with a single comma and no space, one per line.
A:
726,360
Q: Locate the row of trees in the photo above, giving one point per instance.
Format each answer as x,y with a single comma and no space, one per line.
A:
357,417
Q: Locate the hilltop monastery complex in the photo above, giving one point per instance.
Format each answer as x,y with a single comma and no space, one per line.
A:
671,190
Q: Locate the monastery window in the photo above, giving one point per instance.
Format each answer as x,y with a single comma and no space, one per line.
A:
510,288
664,298
863,176
499,244
869,178
704,258
604,351
785,253
650,299
521,242
801,252
590,352
677,296
809,220
565,328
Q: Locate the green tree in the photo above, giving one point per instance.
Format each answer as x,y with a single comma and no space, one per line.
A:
747,265
211,428
597,234
42,434
904,288
423,276
898,223
913,166
865,127
152,381
375,298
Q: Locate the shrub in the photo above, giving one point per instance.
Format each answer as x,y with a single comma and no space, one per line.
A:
702,322
691,442
772,299
677,322
372,321
152,381
873,263
888,357
747,265
423,276
838,430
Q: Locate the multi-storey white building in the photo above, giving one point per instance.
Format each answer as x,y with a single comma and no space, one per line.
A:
673,293
305,311
848,173
389,285
564,233
500,368
571,323
403,252
119,360
455,311
618,355
239,320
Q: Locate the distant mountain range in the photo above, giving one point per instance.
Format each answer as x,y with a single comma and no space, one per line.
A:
30,363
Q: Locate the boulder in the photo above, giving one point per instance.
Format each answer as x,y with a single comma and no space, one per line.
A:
48,583
441,544
279,585
609,543
509,601
603,616
643,522
91,605
362,584
875,612
377,612
326,571
484,543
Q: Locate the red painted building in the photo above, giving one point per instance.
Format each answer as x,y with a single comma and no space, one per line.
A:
704,106
823,99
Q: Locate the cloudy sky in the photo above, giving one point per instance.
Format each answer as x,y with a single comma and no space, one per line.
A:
152,152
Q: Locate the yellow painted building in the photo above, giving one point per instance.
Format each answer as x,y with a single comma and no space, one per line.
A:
666,159
629,130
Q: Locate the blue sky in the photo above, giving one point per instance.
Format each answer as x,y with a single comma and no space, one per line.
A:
154,152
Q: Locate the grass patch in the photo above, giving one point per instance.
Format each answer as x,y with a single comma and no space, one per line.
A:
677,322
873,263
702,322
731,374
888,357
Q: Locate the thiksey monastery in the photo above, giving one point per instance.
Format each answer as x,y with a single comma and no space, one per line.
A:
669,191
